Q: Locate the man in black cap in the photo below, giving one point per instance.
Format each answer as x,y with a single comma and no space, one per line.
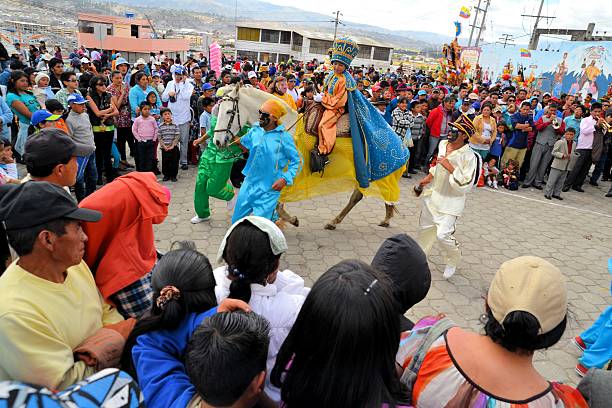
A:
49,156
50,303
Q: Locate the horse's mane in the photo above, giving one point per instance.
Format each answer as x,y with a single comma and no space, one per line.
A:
256,94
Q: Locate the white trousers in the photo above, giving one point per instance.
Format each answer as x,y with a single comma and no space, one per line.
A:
435,226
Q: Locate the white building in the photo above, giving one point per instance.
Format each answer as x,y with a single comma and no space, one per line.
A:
276,44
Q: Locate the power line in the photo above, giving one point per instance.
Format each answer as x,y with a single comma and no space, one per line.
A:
538,17
336,22
475,25
507,38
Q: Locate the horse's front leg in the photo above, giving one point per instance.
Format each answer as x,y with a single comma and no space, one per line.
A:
355,198
285,216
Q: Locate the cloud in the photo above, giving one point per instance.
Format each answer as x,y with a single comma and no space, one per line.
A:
504,16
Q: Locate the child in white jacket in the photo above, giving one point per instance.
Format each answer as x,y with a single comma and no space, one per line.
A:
251,250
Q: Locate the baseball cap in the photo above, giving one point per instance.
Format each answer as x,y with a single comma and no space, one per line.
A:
473,96
179,70
48,146
20,205
85,60
422,92
207,86
278,243
252,74
43,115
529,284
76,98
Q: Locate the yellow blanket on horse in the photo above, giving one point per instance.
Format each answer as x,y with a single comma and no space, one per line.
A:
339,174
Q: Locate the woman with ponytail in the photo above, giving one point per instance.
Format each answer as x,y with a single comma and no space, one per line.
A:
251,250
183,287
183,296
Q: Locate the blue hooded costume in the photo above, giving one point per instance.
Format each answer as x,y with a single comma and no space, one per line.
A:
377,149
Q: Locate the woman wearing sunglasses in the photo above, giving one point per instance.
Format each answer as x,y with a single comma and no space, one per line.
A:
102,117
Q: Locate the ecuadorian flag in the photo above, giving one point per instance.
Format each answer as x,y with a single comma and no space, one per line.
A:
465,12
525,53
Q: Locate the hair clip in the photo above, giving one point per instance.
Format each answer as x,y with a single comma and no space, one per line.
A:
235,272
166,294
367,291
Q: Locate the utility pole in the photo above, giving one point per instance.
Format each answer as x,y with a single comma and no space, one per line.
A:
474,23
507,38
482,24
533,43
336,22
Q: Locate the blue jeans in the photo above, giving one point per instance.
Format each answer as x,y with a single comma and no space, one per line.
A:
598,339
86,182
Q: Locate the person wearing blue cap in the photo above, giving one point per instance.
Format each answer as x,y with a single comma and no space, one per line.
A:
178,95
42,118
82,134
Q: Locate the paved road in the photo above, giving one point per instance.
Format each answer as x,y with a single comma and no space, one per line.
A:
575,234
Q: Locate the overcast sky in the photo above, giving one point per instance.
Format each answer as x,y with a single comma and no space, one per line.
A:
504,16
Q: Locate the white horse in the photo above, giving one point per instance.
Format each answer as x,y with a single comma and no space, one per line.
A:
239,106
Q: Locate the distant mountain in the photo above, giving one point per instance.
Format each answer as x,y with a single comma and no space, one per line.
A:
245,10
216,16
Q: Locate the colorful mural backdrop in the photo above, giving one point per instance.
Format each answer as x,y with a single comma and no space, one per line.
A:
577,68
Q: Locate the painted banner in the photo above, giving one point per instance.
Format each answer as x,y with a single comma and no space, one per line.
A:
470,55
572,67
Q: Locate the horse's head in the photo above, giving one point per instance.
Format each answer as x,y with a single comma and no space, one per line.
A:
239,106
229,120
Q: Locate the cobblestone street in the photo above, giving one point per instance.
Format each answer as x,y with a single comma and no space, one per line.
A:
574,234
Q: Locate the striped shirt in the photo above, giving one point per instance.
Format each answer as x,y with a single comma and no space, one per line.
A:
442,383
418,126
168,133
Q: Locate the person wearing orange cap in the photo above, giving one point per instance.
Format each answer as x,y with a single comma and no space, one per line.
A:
272,164
456,169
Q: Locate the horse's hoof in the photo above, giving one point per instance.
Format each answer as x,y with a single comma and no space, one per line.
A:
295,222
330,227
384,224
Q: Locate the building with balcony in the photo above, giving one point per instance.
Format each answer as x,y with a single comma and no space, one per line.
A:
277,44
132,37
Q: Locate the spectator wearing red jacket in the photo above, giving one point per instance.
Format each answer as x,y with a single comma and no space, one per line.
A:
437,122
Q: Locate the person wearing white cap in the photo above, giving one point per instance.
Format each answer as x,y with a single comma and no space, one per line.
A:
252,75
525,311
178,95
141,65
251,250
42,91
43,61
